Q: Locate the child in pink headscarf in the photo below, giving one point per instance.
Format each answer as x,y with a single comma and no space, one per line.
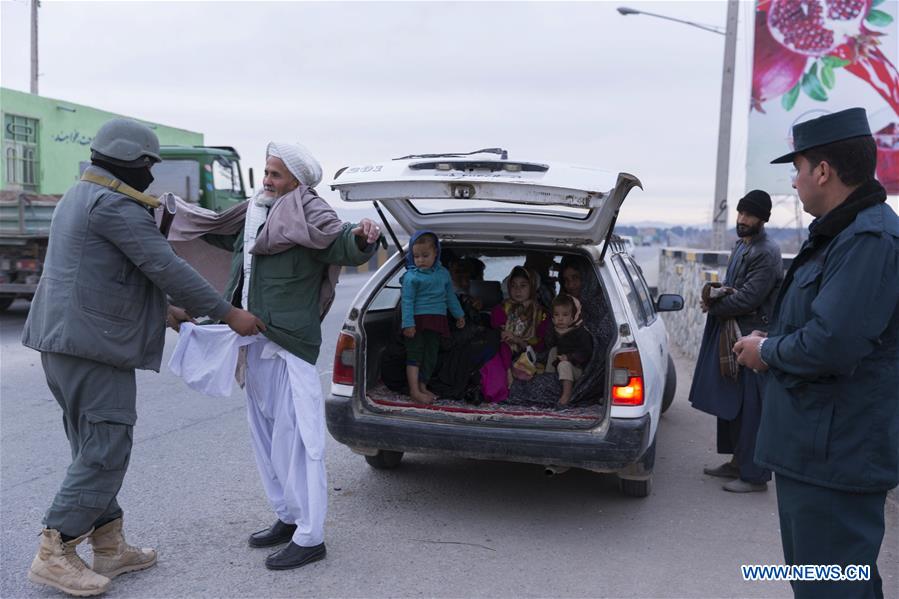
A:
523,323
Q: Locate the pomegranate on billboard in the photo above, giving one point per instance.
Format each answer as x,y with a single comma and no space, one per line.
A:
813,57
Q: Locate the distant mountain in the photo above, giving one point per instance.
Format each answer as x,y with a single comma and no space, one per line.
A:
660,225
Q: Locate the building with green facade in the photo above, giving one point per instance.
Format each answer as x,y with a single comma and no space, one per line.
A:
45,140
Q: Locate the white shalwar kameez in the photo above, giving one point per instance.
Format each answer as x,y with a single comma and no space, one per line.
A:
285,412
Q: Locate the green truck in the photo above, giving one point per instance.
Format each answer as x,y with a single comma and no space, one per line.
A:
209,176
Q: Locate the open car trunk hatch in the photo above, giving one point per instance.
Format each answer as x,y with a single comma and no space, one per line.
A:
492,199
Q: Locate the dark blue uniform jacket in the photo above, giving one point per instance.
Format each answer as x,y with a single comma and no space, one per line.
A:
831,410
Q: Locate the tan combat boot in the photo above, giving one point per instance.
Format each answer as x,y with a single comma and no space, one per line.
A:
58,565
113,555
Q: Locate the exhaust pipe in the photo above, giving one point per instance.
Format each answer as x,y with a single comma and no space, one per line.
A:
552,470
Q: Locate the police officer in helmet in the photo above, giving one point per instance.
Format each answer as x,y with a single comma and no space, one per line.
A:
98,314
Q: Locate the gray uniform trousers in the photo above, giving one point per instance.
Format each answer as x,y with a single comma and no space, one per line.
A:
98,413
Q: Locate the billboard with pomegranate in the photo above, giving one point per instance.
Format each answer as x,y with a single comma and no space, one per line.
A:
813,57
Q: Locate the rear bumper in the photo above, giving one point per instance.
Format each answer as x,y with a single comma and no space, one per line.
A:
18,288
619,448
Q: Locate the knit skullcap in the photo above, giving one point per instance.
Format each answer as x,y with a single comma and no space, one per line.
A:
757,203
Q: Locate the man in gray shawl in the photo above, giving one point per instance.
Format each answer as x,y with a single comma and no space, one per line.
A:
286,255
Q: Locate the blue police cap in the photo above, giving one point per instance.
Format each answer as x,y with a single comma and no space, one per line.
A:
845,124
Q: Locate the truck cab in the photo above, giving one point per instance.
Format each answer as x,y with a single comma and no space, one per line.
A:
208,176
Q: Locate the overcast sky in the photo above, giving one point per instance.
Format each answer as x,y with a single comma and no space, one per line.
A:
365,82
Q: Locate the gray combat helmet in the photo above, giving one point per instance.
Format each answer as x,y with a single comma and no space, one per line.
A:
124,142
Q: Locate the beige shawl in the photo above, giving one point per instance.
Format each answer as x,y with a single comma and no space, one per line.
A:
300,217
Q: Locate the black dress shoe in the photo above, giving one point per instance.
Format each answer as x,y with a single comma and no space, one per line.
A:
294,556
278,533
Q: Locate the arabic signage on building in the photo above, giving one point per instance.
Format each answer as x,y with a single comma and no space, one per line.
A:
73,137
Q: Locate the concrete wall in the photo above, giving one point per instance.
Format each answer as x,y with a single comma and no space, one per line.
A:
685,271
65,131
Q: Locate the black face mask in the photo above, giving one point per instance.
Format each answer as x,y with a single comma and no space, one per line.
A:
139,178
747,231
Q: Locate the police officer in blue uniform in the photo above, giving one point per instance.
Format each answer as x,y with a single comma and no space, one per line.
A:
830,421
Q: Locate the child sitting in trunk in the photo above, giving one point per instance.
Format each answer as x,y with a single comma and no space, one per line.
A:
570,344
523,324
426,295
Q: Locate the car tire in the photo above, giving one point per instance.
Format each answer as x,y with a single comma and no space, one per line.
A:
670,386
385,459
6,301
635,488
641,488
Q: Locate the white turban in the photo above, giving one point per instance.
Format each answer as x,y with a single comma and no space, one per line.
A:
298,160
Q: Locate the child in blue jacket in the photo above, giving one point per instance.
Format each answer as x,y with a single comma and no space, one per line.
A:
427,292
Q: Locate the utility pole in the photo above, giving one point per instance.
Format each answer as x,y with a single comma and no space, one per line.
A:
719,201
35,4
719,212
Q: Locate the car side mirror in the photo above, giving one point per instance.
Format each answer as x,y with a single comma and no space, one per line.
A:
669,302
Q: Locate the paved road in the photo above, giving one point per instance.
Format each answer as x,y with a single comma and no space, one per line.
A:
435,527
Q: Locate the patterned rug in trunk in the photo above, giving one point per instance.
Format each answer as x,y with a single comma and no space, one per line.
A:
519,406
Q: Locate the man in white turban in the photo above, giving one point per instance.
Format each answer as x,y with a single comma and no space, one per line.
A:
284,268
298,160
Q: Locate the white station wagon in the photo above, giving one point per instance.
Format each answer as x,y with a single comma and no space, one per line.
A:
500,213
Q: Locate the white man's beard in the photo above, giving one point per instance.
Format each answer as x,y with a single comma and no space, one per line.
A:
264,199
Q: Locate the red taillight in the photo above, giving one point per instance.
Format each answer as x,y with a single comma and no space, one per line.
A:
345,360
627,378
630,394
